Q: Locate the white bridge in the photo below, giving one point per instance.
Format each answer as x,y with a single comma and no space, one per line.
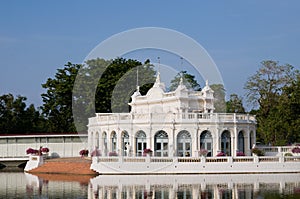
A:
13,147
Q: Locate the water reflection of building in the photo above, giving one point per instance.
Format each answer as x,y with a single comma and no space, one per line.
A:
177,123
196,187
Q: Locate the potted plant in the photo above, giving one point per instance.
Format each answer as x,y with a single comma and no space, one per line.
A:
113,153
84,152
45,150
147,152
296,150
220,154
240,153
96,152
31,151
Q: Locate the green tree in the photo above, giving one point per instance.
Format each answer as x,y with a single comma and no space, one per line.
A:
235,104
99,85
16,117
57,101
266,89
188,80
288,111
123,74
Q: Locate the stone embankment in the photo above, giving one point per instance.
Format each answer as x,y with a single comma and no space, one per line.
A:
77,166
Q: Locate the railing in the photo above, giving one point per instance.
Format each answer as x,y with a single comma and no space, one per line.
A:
217,159
245,159
292,159
189,159
112,118
242,159
268,159
161,160
276,150
134,160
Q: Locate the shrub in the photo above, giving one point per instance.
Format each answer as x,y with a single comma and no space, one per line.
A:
258,152
288,154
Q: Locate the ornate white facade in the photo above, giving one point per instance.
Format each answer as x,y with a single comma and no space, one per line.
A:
177,123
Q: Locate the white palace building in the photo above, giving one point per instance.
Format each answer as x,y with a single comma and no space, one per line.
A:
172,124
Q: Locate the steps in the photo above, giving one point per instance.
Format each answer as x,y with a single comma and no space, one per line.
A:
78,166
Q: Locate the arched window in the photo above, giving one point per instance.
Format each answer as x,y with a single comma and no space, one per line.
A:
125,143
104,144
161,144
141,143
251,139
226,143
96,140
241,143
184,144
113,141
206,142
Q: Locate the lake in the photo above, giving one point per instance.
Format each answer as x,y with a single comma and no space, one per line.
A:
22,185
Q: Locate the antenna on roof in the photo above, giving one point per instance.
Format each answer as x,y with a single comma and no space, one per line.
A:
158,60
137,77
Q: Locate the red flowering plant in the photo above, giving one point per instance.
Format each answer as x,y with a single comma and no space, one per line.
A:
220,154
296,150
96,152
45,150
147,151
32,151
84,152
113,153
239,153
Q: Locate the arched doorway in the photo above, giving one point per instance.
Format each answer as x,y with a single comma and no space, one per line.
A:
161,144
206,142
241,142
226,143
141,142
125,143
184,144
113,142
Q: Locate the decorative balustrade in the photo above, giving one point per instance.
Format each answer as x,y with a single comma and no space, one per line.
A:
112,118
276,150
202,160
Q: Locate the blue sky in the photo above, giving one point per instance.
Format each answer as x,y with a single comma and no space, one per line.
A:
37,38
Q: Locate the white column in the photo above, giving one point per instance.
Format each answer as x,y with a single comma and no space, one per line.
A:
235,141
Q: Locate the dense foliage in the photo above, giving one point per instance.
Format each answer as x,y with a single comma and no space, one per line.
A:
17,117
275,89
187,79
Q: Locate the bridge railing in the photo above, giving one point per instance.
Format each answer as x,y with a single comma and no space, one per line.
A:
59,145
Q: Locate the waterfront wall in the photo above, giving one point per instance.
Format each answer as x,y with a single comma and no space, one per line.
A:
201,165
